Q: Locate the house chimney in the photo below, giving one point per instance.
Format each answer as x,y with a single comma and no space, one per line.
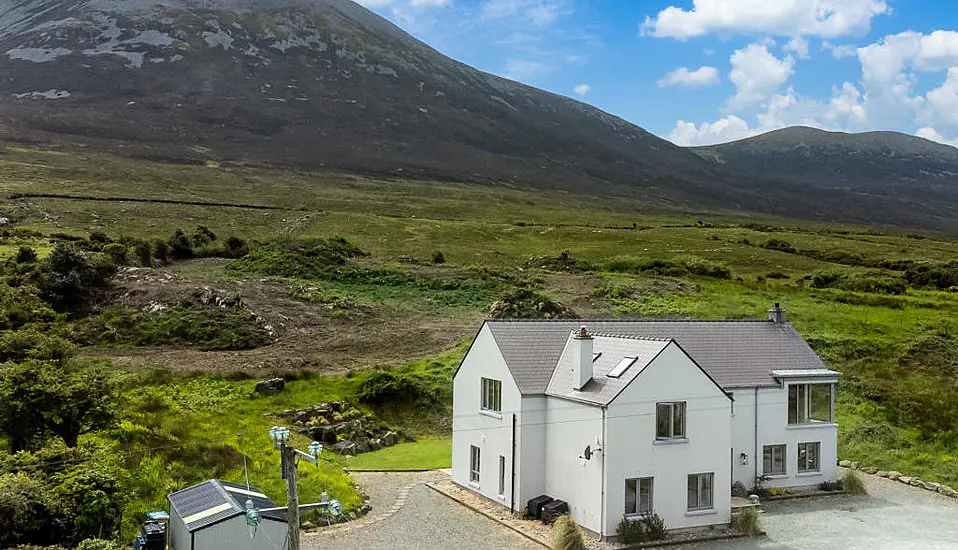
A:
581,358
777,314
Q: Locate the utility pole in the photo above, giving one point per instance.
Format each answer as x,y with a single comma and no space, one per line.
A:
292,495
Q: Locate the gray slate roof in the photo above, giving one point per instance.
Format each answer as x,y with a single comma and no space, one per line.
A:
736,353
227,499
602,389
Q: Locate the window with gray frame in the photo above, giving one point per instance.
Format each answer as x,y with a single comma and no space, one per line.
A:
474,464
808,455
638,496
700,491
809,403
670,420
491,395
773,460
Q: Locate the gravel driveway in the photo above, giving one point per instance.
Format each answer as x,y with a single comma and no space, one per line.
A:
892,516
425,521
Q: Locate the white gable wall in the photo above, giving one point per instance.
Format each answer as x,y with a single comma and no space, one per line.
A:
631,449
531,450
773,429
234,534
571,427
492,433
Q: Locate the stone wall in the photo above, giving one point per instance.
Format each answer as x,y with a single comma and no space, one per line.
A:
939,488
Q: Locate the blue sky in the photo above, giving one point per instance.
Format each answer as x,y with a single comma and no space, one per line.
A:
707,71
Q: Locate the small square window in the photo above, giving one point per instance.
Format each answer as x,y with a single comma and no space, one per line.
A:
638,496
773,460
808,454
670,420
700,491
491,395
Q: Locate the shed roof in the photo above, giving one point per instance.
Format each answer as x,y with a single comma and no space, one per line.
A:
737,353
214,501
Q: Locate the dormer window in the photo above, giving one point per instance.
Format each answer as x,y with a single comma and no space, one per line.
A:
809,403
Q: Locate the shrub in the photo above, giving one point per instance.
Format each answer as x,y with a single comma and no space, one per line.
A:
93,496
438,258
707,268
116,252
780,245
25,255
18,346
98,544
567,535
654,526
831,486
143,252
853,483
28,512
528,304
68,278
776,275
161,251
747,522
630,531
235,247
181,246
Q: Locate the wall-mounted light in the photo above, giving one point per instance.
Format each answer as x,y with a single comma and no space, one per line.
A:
743,458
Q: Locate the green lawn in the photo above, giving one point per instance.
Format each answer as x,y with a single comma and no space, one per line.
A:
426,452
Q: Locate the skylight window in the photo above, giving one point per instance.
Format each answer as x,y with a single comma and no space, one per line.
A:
621,367
596,356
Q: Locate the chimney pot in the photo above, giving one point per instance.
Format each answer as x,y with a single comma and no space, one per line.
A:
777,314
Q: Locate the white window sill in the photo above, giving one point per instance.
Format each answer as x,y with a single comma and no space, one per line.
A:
709,512
474,485
808,474
775,476
636,516
813,425
491,414
671,441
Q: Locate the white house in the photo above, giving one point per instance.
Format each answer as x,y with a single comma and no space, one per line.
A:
622,417
212,515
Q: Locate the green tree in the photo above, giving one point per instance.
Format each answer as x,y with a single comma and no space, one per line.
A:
161,251
26,255
181,247
143,252
39,398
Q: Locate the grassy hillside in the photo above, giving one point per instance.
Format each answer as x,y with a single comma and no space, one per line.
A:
371,291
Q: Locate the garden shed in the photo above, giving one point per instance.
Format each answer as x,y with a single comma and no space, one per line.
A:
212,516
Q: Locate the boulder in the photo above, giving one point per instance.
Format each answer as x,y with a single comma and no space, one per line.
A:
856,465
916,482
930,486
845,463
344,448
881,473
947,491
906,480
323,434
375,444
389,439
270,387
363,445
893,475
870,470
739,490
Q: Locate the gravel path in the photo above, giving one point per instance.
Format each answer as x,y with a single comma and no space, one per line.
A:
893,515
415,518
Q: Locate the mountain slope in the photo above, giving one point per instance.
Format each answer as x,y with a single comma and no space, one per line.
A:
310,83
883,177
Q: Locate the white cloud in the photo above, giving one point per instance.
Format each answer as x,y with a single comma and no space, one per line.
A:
730,128
943,101
538,13
582,90
526,69
757,74
933,135
840,51
798,46
703,76
826,18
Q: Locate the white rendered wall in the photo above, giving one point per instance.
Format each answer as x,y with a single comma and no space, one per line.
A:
531,450
570,429
492,433
631,449
179,536
773,429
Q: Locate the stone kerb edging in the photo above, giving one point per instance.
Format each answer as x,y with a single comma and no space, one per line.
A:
939,488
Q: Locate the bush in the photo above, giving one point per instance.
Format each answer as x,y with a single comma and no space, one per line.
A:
181,246
853,483
18,346
117,253
68,279
630,531
780,245
528,304
654,526
98,544
438,258
567,535
235,247
747,522
385,387
25,255
161,251
93,496
28,512
143,252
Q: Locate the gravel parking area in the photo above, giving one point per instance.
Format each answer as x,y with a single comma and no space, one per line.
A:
893,515
426,520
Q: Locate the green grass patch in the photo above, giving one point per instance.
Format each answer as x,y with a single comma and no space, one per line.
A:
424,453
